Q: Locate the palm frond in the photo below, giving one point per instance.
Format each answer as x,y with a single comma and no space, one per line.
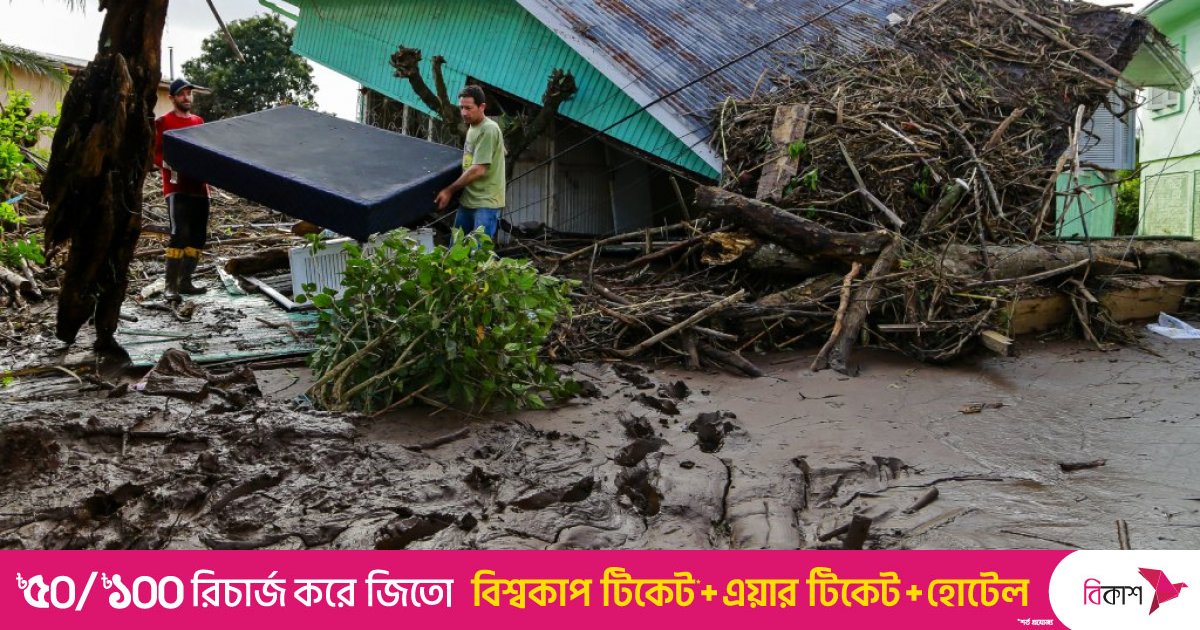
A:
14,58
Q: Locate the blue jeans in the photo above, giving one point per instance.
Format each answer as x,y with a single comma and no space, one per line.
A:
468,219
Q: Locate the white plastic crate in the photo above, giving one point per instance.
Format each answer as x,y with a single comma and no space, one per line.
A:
324,268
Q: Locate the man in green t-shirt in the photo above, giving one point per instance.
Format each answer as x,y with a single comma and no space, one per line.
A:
483,179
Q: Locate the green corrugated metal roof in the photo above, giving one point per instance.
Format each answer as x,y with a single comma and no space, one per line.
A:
497,42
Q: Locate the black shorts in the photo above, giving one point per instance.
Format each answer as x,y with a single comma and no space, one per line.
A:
189,220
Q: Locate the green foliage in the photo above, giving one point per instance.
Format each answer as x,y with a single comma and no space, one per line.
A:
271,75
811,180
797,149
456,324
20,128
15,248
1129,195
920,188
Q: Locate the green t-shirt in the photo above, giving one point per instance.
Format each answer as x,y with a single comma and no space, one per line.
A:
485,145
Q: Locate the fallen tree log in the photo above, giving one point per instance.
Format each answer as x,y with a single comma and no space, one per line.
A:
799,235
14,281
273,259
744,250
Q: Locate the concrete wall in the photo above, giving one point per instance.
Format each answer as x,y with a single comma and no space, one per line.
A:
48,94
1170,145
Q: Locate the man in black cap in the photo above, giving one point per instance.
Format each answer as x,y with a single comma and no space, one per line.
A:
187,200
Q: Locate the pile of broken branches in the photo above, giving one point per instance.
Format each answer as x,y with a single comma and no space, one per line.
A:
911,183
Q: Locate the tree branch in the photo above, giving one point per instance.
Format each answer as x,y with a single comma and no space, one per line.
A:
560,87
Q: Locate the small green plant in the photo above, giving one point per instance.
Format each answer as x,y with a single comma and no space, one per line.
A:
456,324
797,149
920,188
811,179
15,248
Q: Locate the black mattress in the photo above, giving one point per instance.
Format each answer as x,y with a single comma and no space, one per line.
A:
353,179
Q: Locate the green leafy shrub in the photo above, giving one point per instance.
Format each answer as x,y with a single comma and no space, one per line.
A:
20,124
20,128
456,324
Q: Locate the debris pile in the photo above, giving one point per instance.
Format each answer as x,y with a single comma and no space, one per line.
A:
902,194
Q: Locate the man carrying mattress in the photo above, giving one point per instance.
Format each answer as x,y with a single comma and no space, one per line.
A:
483,178
187,200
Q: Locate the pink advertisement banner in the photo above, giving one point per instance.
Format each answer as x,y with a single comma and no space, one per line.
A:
595,589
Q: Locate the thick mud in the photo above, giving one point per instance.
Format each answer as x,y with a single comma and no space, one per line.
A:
963,457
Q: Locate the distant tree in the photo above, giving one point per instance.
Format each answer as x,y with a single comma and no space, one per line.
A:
271,75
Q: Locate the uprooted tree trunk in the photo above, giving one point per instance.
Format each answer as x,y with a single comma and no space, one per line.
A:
1176,259
560,87
98,162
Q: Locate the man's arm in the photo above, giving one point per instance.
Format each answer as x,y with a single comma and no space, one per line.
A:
464,180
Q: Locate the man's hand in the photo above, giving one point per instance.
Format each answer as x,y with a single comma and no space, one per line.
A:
443,198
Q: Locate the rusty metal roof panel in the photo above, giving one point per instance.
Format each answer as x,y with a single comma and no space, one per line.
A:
653,47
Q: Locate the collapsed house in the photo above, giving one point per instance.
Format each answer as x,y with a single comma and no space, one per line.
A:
642,109
903,160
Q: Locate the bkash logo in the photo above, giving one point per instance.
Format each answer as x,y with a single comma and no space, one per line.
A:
1164,590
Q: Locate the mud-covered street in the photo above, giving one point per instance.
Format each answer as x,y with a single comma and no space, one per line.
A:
1046,450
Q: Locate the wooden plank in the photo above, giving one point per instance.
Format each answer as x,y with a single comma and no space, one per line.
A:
1037,314
996,342
1130,298
789,127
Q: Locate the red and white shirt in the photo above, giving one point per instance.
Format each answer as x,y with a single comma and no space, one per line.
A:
183,183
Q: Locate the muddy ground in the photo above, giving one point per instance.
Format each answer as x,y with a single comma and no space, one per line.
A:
661,459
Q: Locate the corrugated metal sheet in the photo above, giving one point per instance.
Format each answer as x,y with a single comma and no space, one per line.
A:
653,47
1081,216
496,41
583,188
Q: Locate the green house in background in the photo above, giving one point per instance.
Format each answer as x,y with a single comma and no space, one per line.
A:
1170,144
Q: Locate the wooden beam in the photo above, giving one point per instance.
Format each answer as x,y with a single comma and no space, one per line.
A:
789,127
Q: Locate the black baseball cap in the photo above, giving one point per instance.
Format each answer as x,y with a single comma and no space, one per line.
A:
177,85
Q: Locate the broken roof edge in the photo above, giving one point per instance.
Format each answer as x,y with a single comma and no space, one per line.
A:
1157,64
293,15
677,125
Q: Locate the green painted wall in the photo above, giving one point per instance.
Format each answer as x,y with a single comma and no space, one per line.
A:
1098,211
1170,144
496,41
